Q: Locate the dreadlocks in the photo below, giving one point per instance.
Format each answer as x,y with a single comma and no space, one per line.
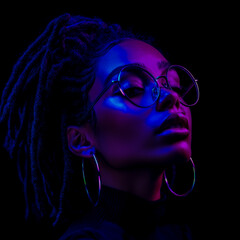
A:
46,92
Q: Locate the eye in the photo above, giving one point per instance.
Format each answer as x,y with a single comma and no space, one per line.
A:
132,87
133,91
180,91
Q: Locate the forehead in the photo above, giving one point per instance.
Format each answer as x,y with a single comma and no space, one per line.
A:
128,52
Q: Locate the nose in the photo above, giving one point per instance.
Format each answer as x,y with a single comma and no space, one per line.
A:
168,99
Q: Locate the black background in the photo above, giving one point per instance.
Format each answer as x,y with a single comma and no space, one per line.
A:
193,34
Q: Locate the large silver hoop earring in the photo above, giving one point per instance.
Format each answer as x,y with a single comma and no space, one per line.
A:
99,182
193,183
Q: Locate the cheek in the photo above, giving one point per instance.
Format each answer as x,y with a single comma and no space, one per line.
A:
120,131
189,116
115,116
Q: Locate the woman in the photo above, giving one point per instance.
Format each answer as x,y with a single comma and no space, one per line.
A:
94,115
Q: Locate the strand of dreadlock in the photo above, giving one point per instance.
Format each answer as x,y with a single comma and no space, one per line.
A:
67,167
36,140
36,136
52,75
27,56
9,101
31,54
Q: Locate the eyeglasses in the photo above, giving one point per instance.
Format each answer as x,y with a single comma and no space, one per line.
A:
142,89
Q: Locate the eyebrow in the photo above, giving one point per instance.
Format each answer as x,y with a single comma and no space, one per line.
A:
161,65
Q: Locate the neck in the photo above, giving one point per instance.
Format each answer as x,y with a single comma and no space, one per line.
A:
143,182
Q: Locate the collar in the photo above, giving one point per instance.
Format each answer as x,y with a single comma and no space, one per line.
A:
128,210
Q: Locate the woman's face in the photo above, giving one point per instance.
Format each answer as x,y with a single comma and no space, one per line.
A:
130,136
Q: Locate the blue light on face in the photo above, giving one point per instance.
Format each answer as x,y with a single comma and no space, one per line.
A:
117,103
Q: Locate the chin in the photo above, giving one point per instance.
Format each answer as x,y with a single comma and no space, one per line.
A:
177,153
152,156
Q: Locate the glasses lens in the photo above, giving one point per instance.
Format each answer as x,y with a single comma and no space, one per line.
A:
138,86
182,82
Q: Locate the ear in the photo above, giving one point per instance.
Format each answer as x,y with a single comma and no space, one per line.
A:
80,141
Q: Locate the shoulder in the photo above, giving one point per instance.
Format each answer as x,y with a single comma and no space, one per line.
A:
80,233
94,231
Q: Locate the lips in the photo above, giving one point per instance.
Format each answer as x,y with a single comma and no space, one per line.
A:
174,121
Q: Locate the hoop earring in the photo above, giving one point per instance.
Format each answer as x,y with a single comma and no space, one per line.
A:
99,181
193,183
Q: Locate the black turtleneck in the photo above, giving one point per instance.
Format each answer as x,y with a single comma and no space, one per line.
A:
122,215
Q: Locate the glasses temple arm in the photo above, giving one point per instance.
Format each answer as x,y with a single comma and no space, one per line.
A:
97,99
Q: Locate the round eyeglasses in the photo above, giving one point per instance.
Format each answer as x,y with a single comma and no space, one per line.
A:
142,89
